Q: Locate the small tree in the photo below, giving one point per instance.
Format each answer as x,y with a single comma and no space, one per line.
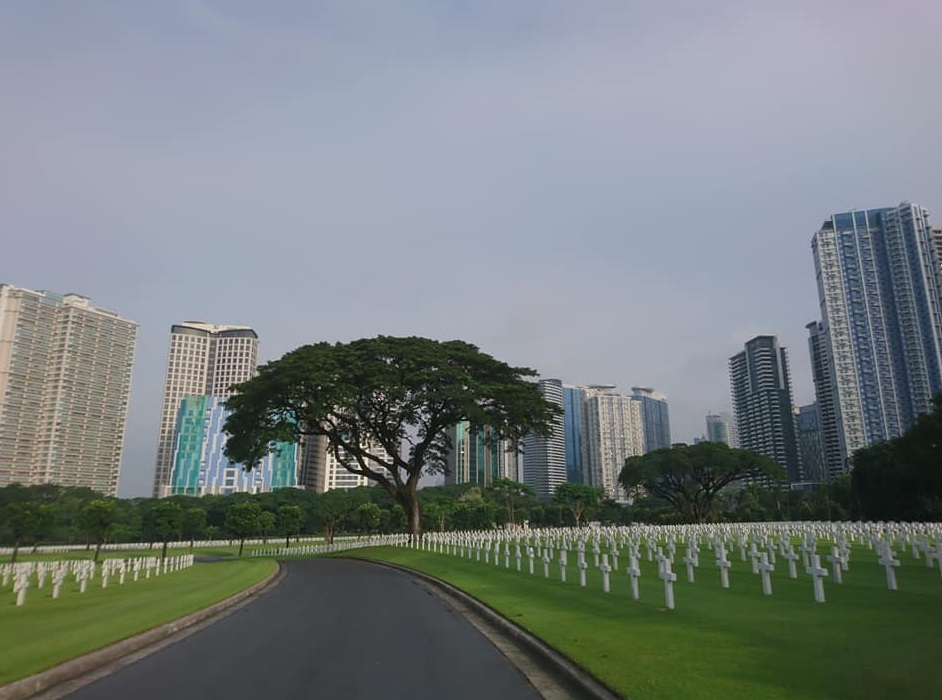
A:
330,509
266,524
194,523
580,499
25,521
244,520
689,477
96,518
509,493
163,521
368,517
290,519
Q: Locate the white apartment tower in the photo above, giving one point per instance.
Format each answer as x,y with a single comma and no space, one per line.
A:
544,458
203,359
612,431
65,382
322,470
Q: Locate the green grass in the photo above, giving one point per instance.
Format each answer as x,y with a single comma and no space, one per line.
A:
865,642
44,632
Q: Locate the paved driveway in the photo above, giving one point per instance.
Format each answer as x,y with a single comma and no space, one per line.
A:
332,629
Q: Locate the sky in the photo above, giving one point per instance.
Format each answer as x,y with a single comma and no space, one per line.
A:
607,192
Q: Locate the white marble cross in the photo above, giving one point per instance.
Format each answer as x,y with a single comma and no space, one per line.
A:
547,558
530,557
723,563
792,558
634,571
889,562
754,555
668,577
766,568
836,564
606,573
817,572
21,583
582,566
691,560
563,560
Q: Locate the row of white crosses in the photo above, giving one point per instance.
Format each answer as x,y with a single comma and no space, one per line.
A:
84,570
761,543
337,546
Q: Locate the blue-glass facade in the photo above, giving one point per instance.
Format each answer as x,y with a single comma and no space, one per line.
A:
572,419
655,418
200,465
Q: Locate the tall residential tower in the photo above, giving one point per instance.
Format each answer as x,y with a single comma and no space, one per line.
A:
65,381
762,403
881,323
544,458
203,360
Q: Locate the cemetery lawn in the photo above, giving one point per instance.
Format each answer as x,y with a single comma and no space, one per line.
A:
864,642
45,632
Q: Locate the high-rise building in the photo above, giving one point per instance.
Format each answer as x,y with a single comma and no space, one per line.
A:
833,458
323,470
573,398
937,243
65,380
613,430
721,427
200,466
762,403
810,444
544,458
475,459
654,416
203,360
879,288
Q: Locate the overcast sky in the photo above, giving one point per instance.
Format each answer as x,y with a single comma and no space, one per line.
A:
618,192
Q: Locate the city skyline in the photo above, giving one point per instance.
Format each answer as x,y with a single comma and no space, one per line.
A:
544,181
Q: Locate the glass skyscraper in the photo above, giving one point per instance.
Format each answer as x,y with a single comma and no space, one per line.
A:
879,289
200,466
544,458
654,416
762,403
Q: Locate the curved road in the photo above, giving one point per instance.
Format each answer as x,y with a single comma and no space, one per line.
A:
332,628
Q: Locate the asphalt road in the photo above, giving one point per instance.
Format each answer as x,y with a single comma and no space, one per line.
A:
332,628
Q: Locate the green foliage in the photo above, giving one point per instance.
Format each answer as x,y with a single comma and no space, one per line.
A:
194,523
163,521
290,520
901,479
25,521
368,517
96,520
330,509
690,477
581,500
373,396
510,495
244,520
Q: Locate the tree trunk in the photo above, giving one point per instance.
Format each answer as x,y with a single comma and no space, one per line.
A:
98,550
409,500
16,548
241,544
163,553
287,541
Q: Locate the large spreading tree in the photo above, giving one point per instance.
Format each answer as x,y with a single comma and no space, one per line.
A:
689,477
384,405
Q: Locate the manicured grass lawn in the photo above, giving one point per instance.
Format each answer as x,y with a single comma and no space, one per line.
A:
865,642
44,632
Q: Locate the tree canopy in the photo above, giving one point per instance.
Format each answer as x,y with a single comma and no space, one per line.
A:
689,477
384,405
901,479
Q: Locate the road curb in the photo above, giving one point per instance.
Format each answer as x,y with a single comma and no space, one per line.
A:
73,669
569,674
